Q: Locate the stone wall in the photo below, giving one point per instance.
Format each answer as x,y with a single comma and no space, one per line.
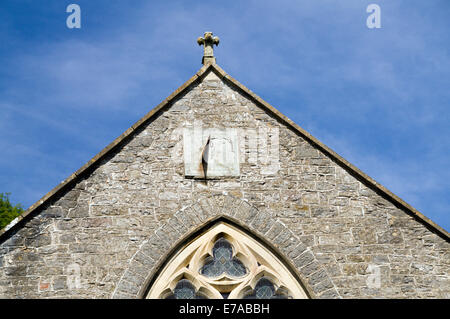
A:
90,241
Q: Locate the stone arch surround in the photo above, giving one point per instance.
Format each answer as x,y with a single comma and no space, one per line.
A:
190,221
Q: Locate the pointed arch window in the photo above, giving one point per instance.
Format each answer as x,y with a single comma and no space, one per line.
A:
225,263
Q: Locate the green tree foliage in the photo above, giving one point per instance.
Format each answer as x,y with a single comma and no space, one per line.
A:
7,211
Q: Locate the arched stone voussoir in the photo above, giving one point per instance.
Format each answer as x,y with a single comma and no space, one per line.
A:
190,221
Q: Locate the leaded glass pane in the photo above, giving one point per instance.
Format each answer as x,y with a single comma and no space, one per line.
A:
265,289
185,290
223,261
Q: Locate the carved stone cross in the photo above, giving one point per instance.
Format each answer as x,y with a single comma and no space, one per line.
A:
208,41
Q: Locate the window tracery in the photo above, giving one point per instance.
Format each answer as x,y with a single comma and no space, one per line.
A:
225,263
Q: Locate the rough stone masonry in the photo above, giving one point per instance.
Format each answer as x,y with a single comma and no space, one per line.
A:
104,231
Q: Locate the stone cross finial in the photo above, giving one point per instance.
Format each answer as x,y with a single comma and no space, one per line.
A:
208,42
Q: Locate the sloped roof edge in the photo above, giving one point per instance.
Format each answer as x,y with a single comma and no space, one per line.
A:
322,147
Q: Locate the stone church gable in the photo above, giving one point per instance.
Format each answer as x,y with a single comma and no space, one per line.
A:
107,230
180,227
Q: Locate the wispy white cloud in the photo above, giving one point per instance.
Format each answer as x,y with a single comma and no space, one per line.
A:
353,87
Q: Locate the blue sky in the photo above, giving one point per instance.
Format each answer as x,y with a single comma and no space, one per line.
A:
378,97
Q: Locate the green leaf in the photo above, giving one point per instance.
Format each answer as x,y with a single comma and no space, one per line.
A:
7,211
